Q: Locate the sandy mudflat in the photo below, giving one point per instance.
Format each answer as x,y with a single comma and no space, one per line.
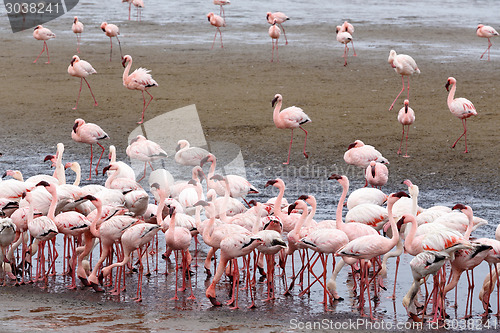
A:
232,89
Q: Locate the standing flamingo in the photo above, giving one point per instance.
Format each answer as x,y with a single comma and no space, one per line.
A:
274,33
217,22
77,28
280,18
44,34
89,133
146,151
404,65
139,4
345,38
406,117
82,69
140,79
187,155
129,7
222,3
459,107
111,31
485,31
289,118
348,27
377,174
7,236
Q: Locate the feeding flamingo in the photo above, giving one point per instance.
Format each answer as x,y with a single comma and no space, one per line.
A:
146,151
289,118
280,18
82,69
345,38
111,31
406,117
485,31
140,79
89,133
41,33
217,22
274,33
459,107
404,65
77,28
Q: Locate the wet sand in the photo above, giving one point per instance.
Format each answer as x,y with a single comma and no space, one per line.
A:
232,89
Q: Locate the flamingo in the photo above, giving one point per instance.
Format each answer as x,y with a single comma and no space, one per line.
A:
117,181
111,30
217,22
345,38
280,18
146,151
82,69
288,220
485,31
129,7
369,246
289,118
377,174
89,133
222,3
140,79
406,117
274,33
139,4
187,155
360,155
7,236
348,27
366,195
77,28
404,65
459,107
41,33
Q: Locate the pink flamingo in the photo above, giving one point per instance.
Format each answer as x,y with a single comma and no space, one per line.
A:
361,155
345,38
288,220
89,133
404,65
7,236
289,118
280,18
111,31
377,174
348,27
459,107
146,151
129,7
187,155
217,22
406,117
82,69
274,33
139,4
140,79
77,28
485,31
222,3
370,246
44,34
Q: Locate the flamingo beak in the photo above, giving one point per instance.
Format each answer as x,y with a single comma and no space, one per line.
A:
75,126
273,102
447,86
72,61
105,169
124,61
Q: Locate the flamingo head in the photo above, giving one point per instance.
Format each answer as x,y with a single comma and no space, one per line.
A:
74,59
103,26
277,98
68,165
217,177
38,27
49,158
337,29
479,26
78,122
181,144
392,56
462,208
209,16
449,82
335,176
112,166
208,158
201,203
75,19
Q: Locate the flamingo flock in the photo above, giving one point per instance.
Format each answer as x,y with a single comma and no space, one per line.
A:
121,215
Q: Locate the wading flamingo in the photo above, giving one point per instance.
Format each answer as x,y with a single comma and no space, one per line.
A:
404,65
146,151
406,117
44,34
486,31
111,31
459,107
274,33
217,22
89,133
140,79
289,118
82,69
280,18
139,4
77,28
345,38
222,3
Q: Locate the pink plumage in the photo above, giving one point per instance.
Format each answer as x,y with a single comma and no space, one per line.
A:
485,31
41,33
404,65
406,117
82,69
376,174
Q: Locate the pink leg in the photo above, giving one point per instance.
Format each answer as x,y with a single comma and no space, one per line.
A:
129,7
120,46
277,53
43,49
289,150
77,44
111,49
91,156
99,158
79,91
144,175
487,50
464,133
346,50
305,142
284,34
95,102
352,42
221,45
403,80
213,43
401,143
47,48
272,54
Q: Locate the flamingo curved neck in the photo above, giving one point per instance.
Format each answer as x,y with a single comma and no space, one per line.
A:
126,71
278,201
414,204
276,112
78,172
256,225
59,171
52,209
310,216
299,224
159,210
225,203
340,205
411,237
451,95
469,227
394,228
207,232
